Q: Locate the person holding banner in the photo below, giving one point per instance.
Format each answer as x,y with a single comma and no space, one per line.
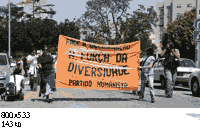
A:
47,73
150,74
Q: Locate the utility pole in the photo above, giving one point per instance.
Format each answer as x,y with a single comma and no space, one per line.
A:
197,43
9,31
33,7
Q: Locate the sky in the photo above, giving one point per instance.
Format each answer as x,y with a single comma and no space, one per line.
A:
71,8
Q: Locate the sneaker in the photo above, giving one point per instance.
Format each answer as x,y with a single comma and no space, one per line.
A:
140,98
168,96
134,92
153,100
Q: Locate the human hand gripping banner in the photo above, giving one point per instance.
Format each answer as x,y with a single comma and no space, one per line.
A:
87,65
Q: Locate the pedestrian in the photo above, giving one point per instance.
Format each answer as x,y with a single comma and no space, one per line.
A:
39,69
170,63
19,77
148,63
20,63
47,73
32,60
25,66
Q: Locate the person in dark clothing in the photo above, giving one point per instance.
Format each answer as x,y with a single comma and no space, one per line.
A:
47,73
25,66
171,62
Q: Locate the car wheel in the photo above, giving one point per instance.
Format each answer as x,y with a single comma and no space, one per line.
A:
163,83
195,88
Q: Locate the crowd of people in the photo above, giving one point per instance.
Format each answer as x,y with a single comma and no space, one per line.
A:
39,68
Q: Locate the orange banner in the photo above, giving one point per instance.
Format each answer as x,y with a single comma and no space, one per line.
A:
87,65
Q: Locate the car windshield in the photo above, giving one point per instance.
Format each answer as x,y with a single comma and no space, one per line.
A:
188,63
3,60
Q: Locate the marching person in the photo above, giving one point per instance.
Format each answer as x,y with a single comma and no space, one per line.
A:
150,74
32,60
47,73
171,62
38,74
25,65
19,77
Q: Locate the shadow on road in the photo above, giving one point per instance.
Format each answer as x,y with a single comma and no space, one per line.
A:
160,96
175,89
191,95
127,92
88,99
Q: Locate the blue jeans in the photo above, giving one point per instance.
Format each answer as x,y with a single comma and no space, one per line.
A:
170,81
151,88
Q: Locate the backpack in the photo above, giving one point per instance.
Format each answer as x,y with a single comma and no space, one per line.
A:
170,62
142,62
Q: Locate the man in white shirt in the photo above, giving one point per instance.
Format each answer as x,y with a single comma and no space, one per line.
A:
32,60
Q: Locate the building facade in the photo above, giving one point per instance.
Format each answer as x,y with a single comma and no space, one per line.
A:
168,11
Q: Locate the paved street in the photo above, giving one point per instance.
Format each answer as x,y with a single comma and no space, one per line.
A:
78,98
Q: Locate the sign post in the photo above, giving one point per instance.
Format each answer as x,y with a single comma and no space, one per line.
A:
196,35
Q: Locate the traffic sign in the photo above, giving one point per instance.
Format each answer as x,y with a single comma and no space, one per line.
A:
197,23
196,36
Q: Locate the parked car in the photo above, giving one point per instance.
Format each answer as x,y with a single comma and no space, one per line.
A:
5,71
188,75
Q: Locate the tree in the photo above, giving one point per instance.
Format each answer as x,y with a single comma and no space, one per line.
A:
69,29
39,9
138,25
98,12
16,13
180,32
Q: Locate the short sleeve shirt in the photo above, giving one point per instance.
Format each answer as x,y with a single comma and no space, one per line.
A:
176,51
33,64
147,63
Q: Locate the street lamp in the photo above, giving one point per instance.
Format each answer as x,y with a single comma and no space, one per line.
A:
9,36
9,31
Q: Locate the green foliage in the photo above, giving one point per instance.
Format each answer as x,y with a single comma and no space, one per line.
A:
180,32
129,28
98,12
137,27
33,33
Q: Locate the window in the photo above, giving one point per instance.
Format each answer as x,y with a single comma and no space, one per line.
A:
3,60
178,5
168,15
189,5
161,21
189,63
178,15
